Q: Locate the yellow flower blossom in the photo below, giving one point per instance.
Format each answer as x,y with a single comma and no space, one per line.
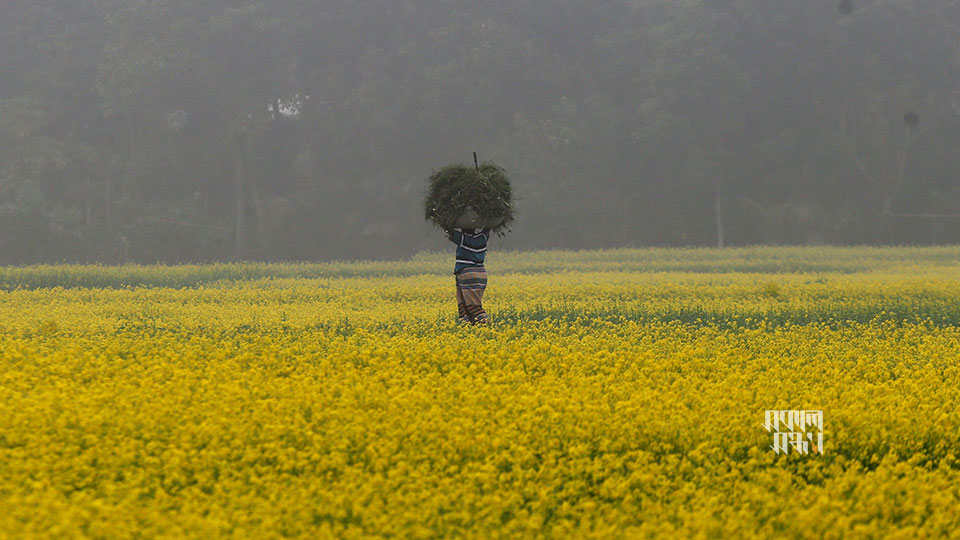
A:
617,394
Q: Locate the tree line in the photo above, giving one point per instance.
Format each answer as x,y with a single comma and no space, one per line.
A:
175,130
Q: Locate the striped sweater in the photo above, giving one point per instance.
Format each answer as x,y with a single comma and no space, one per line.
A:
471,247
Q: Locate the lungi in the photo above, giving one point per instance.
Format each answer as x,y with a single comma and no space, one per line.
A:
471,282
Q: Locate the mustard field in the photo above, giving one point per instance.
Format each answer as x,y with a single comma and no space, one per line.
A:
617,394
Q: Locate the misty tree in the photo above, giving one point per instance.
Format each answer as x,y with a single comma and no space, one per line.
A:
175,130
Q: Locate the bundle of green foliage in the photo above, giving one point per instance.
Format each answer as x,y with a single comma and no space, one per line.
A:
457,190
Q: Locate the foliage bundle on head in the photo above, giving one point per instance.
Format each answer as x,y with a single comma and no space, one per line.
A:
455,188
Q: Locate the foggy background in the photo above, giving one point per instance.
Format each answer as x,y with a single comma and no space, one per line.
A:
198,130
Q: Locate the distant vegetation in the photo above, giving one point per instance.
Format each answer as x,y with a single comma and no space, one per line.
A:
803,261
187,131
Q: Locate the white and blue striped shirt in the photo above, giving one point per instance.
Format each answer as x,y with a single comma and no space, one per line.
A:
471,247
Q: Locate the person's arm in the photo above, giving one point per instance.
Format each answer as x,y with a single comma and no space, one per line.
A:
454,235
